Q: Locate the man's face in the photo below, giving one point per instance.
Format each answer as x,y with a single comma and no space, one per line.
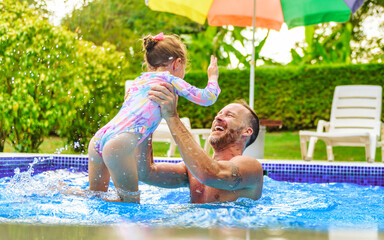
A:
228,125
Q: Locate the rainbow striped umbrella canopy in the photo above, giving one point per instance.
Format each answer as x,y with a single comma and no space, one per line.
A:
270,14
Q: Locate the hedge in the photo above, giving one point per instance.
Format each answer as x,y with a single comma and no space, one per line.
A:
299,96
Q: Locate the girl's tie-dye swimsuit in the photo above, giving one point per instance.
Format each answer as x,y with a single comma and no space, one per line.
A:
141,115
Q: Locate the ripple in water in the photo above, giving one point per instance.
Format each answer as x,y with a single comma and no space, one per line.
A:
25,198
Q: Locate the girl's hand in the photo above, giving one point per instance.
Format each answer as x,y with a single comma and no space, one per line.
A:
213,70
164,95
126,95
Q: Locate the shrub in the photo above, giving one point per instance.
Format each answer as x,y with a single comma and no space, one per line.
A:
47,78
104,75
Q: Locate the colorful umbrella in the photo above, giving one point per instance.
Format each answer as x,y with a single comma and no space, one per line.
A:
268,14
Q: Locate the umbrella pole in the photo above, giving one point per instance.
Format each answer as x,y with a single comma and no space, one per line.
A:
252,74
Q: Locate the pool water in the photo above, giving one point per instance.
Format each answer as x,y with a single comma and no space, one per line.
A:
28,198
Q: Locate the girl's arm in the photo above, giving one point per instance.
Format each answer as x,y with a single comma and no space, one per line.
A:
203,97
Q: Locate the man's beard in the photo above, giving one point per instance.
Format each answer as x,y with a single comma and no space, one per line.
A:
219,142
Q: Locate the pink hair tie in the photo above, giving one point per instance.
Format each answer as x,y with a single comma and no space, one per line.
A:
159,37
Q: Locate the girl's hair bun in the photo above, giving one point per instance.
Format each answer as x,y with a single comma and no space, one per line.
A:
161,50
148,43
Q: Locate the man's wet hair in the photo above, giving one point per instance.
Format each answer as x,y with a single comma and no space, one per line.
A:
253,121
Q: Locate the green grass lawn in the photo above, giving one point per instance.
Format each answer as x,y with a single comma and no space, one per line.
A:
278,145
286,145
55,144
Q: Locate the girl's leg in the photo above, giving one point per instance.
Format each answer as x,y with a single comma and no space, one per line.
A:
144,157
120,158
98,173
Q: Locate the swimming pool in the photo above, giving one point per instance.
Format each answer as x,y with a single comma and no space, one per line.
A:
297,196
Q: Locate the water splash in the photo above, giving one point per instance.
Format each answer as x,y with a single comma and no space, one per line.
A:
23,185
66,147
283,205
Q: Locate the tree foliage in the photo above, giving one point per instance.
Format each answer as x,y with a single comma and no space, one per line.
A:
124,23
47,77
366,48
343,42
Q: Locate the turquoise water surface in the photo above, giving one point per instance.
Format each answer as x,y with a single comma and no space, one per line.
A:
285,205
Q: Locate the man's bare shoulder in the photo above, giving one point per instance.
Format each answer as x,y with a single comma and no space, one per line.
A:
248,166
243,158
250,171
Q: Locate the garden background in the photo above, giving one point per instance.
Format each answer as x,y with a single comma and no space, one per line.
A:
67,81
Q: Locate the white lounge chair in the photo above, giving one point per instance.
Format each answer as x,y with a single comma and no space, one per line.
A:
355,121
163,134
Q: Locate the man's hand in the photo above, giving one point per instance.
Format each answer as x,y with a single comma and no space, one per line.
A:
164,95
213,70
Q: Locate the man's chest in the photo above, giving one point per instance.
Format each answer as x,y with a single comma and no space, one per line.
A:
201,193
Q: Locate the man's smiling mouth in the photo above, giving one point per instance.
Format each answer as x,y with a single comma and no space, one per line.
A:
219,128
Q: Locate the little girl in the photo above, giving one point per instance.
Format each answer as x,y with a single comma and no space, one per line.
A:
113,149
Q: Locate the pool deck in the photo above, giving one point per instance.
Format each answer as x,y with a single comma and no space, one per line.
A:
131,231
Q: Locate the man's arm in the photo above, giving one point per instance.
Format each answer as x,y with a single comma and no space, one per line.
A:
238,173
168,175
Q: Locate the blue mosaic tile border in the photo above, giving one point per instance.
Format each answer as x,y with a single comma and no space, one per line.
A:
293,172
317,173
40,164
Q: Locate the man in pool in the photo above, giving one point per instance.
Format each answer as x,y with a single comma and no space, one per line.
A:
226,176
